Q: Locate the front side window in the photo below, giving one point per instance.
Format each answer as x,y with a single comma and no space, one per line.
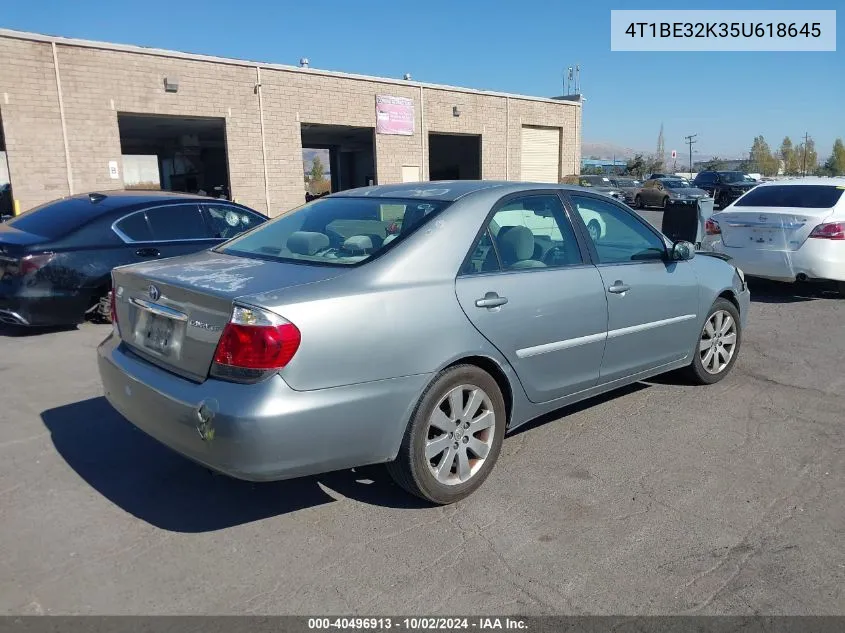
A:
527,232
228,221
338,231
177,222
622,237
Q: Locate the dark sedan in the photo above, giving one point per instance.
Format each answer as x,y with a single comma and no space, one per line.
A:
659,192
56,260
724,186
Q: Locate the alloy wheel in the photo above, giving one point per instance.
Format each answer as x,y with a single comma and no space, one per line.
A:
718,342
460,434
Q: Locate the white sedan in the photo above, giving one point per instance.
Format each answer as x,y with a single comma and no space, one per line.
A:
787,231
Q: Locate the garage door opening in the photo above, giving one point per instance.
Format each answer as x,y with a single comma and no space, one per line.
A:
454,157
540,154
6,200
337,157
186,154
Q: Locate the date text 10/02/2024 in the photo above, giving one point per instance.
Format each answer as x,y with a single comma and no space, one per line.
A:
417,624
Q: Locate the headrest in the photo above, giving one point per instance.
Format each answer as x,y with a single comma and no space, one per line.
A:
307,242
358,243
516,244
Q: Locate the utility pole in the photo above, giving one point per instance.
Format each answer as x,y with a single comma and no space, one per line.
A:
804,161
690,140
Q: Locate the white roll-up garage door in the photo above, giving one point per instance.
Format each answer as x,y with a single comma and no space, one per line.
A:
540,154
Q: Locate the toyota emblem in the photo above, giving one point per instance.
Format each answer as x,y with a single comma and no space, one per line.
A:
154,292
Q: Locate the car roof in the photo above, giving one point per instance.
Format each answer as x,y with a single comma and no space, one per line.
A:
836,181
451,190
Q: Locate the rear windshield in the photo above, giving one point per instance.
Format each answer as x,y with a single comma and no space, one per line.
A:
56,219
335,231
800,196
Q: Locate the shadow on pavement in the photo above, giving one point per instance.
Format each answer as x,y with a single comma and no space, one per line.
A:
578,407
159,486
19,331
765,291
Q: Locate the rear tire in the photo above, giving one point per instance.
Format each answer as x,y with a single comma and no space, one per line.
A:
594,229
638,202
717,346
453,438
840,286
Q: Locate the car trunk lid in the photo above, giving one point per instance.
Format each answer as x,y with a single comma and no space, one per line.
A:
769,228
172,312
14,245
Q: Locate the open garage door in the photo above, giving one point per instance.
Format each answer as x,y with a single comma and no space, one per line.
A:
454,157
337,157
540,154
185,154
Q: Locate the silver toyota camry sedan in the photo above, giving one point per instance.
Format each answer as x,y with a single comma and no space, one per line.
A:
412,325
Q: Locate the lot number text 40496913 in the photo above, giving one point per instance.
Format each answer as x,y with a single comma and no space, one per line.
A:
418,624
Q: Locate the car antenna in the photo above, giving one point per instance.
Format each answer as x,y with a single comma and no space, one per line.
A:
96,197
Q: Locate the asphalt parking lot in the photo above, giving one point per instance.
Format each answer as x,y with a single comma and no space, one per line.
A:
661,498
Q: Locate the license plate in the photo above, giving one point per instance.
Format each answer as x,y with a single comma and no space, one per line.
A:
159,334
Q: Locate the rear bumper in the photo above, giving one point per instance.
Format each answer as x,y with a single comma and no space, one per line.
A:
265,431
43,310
816,259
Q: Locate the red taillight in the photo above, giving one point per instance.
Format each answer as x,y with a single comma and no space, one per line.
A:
711,227
830,231
253,342
33,263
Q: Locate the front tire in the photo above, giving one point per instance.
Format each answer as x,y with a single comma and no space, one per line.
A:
840,287
638,202
717,347
453,438
594,229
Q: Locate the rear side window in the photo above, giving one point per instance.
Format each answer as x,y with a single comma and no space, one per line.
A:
336,231
797,196
56,219
228,222
134,227
177,222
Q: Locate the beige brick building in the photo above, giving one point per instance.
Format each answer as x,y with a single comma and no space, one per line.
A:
70,108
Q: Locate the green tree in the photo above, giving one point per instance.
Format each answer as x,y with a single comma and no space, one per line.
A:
835,165
317,170
807,157
635,166
714,164
789,157
762,159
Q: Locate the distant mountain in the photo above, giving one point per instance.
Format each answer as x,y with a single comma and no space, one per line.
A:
607,150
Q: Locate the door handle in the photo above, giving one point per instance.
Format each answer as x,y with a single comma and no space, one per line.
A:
491,300
619,288
147,252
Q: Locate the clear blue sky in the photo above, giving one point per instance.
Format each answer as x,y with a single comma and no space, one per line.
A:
523,47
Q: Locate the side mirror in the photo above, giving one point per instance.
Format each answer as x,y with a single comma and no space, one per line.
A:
682,251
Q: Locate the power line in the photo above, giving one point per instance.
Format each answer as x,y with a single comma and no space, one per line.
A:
690,140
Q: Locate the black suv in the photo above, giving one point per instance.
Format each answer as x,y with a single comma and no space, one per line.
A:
724,186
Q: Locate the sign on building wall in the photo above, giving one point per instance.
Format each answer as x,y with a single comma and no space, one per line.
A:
394,115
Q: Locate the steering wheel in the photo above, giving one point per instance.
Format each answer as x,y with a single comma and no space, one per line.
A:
555,256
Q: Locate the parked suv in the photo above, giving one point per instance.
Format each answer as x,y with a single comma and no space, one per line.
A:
724,186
